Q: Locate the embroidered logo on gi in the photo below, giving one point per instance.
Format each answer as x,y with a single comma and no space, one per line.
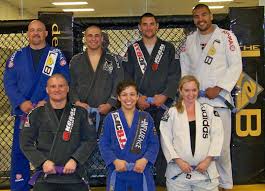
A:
140,133
230,40
140,57
108,66
205,123
119,130
50,63
11,61
216,113
69,125
158,57
63,62
165,116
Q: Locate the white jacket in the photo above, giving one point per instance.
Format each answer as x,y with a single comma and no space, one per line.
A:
175,139
218,64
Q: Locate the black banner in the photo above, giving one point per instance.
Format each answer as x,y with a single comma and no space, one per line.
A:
248,125
60,28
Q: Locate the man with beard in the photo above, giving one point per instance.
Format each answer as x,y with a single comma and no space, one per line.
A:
152,65
213,55
25,77
95,74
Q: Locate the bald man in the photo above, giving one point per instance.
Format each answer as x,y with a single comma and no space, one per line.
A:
95,74
25,77
68,148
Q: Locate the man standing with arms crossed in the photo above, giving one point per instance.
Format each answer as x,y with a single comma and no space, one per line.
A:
152,65
213,55
25,77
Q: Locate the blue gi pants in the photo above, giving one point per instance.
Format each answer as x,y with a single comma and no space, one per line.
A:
19,163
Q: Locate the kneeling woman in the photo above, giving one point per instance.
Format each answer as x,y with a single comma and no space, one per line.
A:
191,139
129,144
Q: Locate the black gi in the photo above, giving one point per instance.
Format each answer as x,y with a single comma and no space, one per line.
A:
95,87
163,81
44,140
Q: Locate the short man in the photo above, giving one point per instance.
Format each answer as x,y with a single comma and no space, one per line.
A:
213,55
95,74
25,77
58,136
152,65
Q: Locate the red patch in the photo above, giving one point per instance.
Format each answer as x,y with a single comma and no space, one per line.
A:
154,66
62,62
66,135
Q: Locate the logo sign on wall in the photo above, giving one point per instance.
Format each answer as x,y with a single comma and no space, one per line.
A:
248,138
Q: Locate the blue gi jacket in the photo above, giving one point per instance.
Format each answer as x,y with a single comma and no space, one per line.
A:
23,83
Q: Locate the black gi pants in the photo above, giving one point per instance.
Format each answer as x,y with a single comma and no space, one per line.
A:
44,186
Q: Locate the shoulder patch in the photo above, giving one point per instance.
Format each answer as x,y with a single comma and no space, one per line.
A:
216,113
165,116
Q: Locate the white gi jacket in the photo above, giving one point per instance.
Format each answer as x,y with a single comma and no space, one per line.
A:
175,139
218,64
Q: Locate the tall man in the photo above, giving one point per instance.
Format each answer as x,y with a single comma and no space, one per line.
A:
152,65
58,136
25,77
213,55
95,74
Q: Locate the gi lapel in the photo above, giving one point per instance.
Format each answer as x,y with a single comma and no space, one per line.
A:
186,147
140,134
202,132
94,75
37,91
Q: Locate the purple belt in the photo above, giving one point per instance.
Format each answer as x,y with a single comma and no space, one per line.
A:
33,179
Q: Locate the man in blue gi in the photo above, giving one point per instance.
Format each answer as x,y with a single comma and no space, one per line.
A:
25,78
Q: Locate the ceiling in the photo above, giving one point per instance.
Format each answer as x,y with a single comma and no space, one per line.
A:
114,8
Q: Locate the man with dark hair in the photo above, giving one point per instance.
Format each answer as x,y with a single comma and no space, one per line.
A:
25,77
152,65
58,140
213,55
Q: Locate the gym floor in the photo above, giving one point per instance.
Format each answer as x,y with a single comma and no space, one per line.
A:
254,187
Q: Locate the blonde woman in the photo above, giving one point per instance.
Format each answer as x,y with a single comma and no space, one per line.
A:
191,139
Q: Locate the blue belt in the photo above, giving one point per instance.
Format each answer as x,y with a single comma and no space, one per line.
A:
92,110
150,100
227,103
129,167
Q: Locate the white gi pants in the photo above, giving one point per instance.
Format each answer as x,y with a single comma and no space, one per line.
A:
181,184
223,163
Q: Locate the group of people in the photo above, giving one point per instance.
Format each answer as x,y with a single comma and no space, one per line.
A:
52,103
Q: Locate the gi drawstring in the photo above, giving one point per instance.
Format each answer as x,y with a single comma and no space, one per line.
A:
92,110
129,167
150,100
227,103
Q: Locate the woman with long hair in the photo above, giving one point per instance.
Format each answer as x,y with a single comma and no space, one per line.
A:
129,144
191,140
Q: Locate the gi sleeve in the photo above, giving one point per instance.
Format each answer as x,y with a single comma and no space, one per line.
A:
174,73
105,146
184,63
234,62
28,138
152,142
117,77
73,85
217,135
166,136
11,87
88,139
